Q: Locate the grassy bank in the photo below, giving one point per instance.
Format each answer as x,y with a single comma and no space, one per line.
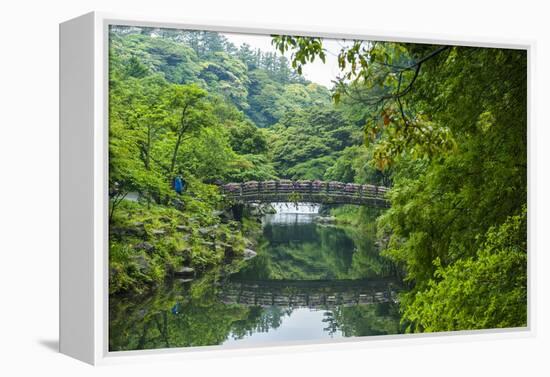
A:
149,243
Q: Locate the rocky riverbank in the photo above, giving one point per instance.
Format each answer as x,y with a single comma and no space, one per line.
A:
147,246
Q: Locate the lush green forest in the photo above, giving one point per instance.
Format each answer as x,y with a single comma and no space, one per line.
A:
449,123
191,104
443,126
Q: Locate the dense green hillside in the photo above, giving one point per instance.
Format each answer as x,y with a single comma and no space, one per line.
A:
261,85
192,105
443,126
247,90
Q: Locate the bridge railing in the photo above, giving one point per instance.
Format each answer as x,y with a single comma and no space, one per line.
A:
320,188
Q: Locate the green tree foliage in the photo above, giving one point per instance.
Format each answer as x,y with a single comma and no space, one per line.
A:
305,143
488,290
176,109
246,138
443,126
228,76
449,126
355,164
475,187
176,61
364,320
136,123
272,97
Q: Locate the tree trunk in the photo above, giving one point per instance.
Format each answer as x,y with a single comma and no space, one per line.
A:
181,131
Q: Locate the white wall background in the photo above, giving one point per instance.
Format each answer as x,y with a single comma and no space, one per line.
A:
29,184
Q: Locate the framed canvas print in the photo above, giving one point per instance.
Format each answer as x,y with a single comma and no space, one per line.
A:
226,187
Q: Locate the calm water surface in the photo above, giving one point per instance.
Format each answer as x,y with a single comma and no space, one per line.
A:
308,282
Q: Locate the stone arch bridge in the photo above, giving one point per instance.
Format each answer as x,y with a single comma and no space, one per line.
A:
306,192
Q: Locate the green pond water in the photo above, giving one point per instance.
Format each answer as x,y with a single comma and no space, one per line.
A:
309,282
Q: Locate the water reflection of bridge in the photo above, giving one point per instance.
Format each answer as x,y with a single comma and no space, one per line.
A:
308,293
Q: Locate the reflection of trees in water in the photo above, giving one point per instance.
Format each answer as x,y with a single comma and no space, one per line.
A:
181,315
185,315
309,251
290,232
166,319
367,260
363,320
260,319
301,251
193,314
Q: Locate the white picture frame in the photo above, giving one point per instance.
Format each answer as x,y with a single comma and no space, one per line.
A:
84,196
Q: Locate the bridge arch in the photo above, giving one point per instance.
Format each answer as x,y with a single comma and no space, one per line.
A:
320,192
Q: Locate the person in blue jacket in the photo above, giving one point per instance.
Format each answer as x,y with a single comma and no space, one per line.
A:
179,184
